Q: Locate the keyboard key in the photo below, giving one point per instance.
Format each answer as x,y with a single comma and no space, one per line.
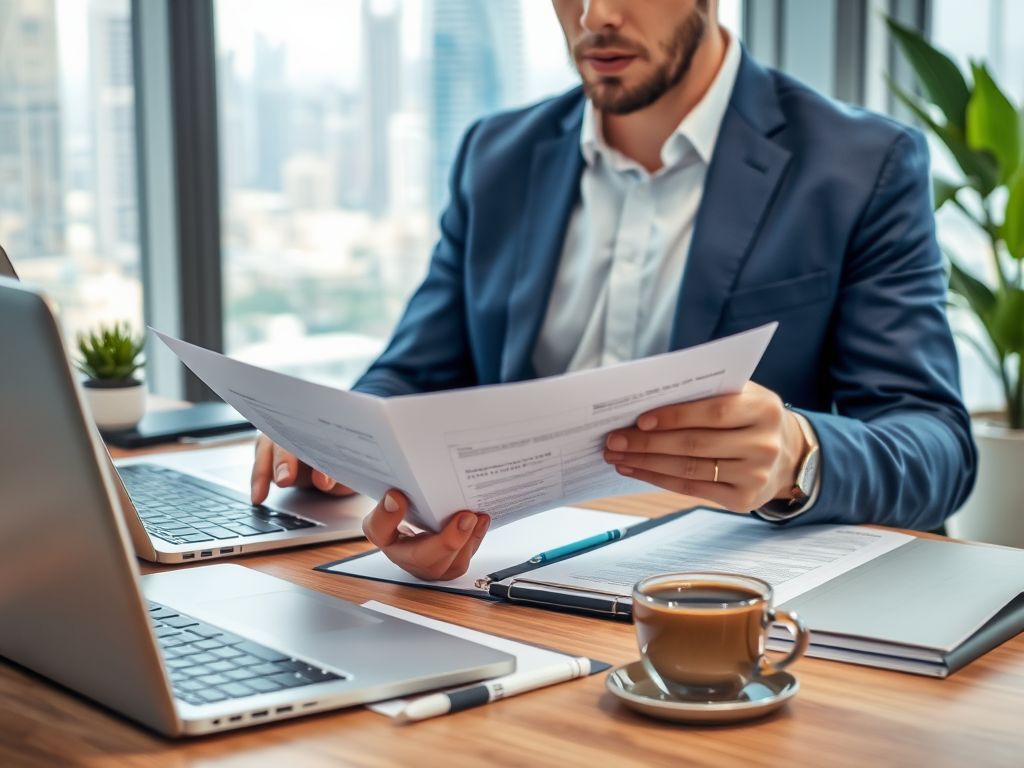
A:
189,686
219,532
246,660
245,673
221,666
180,622
226,652
266,669
161,613
205,630
197,671
171,641
191,698
179,663
163,631
242,530
195,538
264,685
262,526
211,695
203,658
208,645
236,690
215,679
308,672
289,680
261,651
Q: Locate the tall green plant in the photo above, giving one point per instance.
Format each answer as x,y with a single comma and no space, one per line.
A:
984,132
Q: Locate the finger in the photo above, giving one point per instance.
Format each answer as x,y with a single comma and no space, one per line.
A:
721,412
381,525
686,467
720,493
262,469
460,563
698,443
286,467
433,554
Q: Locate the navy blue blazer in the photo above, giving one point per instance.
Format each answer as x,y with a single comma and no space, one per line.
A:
814,214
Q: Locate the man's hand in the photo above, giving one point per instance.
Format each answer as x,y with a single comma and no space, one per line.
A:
429,556
757,443
274,464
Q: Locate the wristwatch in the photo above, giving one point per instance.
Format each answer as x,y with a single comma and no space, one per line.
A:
807,474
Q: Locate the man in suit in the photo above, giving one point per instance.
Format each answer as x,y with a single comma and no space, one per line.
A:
686,193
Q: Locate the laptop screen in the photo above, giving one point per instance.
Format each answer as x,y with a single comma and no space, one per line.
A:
6,268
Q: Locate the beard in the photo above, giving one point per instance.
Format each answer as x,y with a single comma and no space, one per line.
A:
609,95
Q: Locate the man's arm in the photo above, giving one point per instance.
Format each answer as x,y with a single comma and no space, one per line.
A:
430,347
898,450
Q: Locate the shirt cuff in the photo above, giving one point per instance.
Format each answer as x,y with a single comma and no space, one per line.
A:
779,510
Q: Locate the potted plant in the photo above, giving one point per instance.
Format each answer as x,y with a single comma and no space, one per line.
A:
110,358
983,131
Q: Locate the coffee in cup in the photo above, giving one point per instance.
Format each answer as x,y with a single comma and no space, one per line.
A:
702,635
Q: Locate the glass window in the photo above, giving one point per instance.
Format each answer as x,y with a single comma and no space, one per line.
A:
988,31
339,120
68,213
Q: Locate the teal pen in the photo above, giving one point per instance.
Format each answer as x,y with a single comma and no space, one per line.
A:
577,546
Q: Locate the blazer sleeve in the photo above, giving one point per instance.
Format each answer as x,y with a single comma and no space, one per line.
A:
430,347
897,449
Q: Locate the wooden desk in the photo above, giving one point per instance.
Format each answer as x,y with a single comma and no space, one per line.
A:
844,715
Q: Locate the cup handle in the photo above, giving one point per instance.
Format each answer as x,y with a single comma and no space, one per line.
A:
801,638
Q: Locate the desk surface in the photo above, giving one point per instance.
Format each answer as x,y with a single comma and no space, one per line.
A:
844,715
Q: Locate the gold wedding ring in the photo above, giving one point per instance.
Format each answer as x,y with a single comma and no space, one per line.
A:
716,472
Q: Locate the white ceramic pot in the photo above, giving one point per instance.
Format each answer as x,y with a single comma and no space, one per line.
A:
994,512
116,407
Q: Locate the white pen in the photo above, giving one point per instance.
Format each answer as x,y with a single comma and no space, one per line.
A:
492,690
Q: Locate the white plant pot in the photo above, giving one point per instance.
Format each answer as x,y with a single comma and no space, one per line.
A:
994,512
115,408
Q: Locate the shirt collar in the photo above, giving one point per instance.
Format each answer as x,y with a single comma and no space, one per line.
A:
699,129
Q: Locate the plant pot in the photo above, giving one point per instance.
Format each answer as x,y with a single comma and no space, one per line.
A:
994,512
116,405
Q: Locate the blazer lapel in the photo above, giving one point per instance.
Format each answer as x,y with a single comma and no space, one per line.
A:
741,182
553,191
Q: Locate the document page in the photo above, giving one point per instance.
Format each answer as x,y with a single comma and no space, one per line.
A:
512,545
508,450
792,560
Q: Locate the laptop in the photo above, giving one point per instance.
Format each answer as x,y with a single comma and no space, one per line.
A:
187,651
197,507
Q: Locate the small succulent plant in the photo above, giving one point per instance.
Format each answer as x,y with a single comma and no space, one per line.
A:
111,354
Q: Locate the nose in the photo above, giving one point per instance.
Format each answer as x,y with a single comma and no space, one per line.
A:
601,15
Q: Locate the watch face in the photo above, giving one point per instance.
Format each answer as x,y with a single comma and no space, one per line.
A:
808,472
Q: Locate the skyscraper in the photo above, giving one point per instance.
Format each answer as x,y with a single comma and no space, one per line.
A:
381,94
477,65
31,170
113,100
272,112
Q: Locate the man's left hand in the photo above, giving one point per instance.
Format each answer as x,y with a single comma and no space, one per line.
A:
756,442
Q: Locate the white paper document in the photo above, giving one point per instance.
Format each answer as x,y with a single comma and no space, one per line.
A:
508,450
529,658
792,560
514,544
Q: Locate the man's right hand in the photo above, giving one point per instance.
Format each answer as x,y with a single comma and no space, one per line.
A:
274,464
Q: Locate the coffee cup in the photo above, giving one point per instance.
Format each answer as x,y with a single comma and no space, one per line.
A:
702,635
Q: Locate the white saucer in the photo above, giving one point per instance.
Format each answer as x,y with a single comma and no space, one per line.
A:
762,695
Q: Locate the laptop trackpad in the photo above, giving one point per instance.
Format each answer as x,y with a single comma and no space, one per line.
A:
285,613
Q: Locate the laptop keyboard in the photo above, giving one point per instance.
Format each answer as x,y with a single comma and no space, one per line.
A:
207,664
183,510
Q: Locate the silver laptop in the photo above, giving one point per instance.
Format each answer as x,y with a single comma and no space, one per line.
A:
196,506
190,651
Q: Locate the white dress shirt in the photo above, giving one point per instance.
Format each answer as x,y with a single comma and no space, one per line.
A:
619,278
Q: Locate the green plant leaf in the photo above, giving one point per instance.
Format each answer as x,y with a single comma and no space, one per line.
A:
979,167
943,191
940,78
1012,230
1006,325
978,295
992,123
111,352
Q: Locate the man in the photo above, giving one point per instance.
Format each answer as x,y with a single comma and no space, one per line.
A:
683,194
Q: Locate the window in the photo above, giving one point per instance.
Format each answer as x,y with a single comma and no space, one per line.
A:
989,31
68,213
339,120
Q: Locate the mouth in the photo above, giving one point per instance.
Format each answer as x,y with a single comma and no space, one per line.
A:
609,62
